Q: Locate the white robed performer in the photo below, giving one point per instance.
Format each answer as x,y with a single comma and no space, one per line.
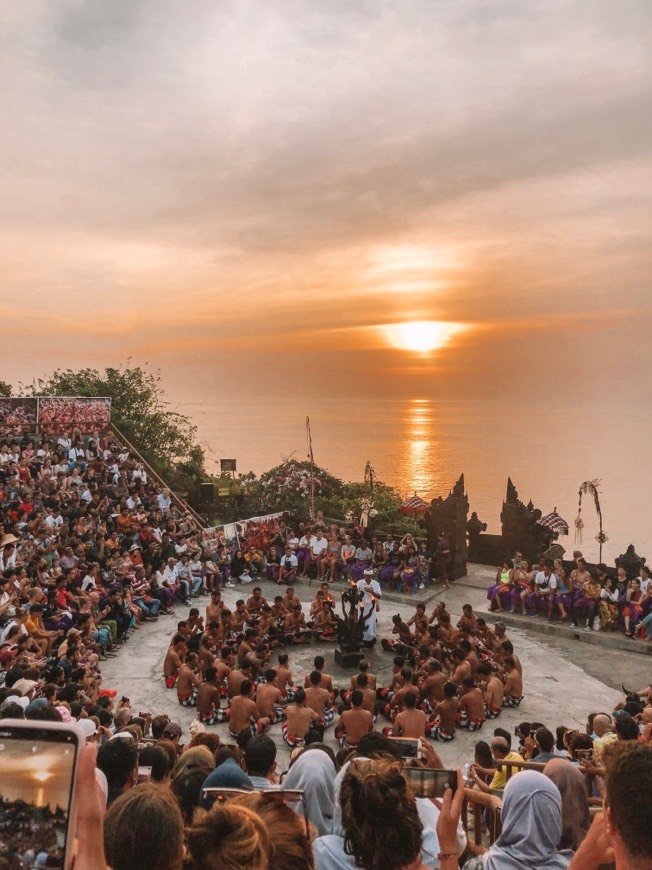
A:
372,593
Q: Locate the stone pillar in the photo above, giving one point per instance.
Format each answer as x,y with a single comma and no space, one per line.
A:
519,527
447,518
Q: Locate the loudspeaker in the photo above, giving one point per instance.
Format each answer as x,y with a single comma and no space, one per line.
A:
207,493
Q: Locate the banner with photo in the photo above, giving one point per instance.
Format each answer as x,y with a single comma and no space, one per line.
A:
255,527
18,415
78,414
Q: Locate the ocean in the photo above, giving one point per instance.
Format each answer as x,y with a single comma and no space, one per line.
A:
423,445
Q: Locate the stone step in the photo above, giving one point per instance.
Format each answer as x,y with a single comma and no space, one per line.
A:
604,639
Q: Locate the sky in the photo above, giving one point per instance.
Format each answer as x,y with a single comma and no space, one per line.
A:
251,196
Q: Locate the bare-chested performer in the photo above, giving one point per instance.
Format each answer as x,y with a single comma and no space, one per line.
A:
432,688
269,698
299,719
513,684
188,681
442,724
470,713
284,680
354,723
320,700
410,722
174,658
494,691
208,698
244,713
319,663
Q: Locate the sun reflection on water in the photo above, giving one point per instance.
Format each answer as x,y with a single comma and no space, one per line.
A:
421,433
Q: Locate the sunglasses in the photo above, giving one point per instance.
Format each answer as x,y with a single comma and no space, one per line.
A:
292,797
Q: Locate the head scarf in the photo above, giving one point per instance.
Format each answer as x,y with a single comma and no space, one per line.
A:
531,826
574,804
314,772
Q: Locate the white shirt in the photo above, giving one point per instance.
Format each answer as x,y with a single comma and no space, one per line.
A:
171,574
318,545
369,587
88,583
545,582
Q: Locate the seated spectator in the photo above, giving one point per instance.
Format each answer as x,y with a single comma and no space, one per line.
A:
622,834
229,837
291,848
544,742
188,778
158,759
144,828
574,804
314,772
532,828
118,761
380,822
260,762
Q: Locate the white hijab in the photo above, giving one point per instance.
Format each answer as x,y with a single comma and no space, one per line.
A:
531,826
314,772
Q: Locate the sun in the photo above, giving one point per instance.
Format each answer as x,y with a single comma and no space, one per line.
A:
421,336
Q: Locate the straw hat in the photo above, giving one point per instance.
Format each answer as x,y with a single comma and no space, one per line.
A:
9,539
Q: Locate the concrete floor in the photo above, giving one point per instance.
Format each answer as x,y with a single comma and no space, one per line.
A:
564,680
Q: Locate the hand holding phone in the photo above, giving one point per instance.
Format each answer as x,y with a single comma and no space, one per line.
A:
409,747
429,783
38,762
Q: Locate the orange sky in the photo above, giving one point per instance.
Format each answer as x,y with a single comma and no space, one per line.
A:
242,195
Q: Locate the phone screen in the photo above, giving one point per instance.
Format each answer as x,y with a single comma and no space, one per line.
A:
144,774
408,746
427,782
36,789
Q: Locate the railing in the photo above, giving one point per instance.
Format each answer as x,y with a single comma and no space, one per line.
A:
511,767
487,808
180,503
589,773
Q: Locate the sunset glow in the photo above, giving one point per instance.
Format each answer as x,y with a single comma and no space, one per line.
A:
421,336
345,181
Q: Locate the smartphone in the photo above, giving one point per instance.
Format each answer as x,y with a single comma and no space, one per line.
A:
408,746
38,761
583,755
144,774
426,782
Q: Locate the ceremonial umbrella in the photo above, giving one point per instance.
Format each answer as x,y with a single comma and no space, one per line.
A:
414,506
554,522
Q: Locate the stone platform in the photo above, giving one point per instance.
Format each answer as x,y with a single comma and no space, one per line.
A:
480,578
564,679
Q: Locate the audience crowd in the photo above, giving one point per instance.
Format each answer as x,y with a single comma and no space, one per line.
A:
595,598
91,549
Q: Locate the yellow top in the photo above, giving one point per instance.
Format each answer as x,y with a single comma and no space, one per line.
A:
500,776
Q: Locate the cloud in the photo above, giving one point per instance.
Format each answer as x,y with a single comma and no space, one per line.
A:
202,179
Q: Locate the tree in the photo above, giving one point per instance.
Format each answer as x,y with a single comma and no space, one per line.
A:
286,487
387,502
5,388
140,409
